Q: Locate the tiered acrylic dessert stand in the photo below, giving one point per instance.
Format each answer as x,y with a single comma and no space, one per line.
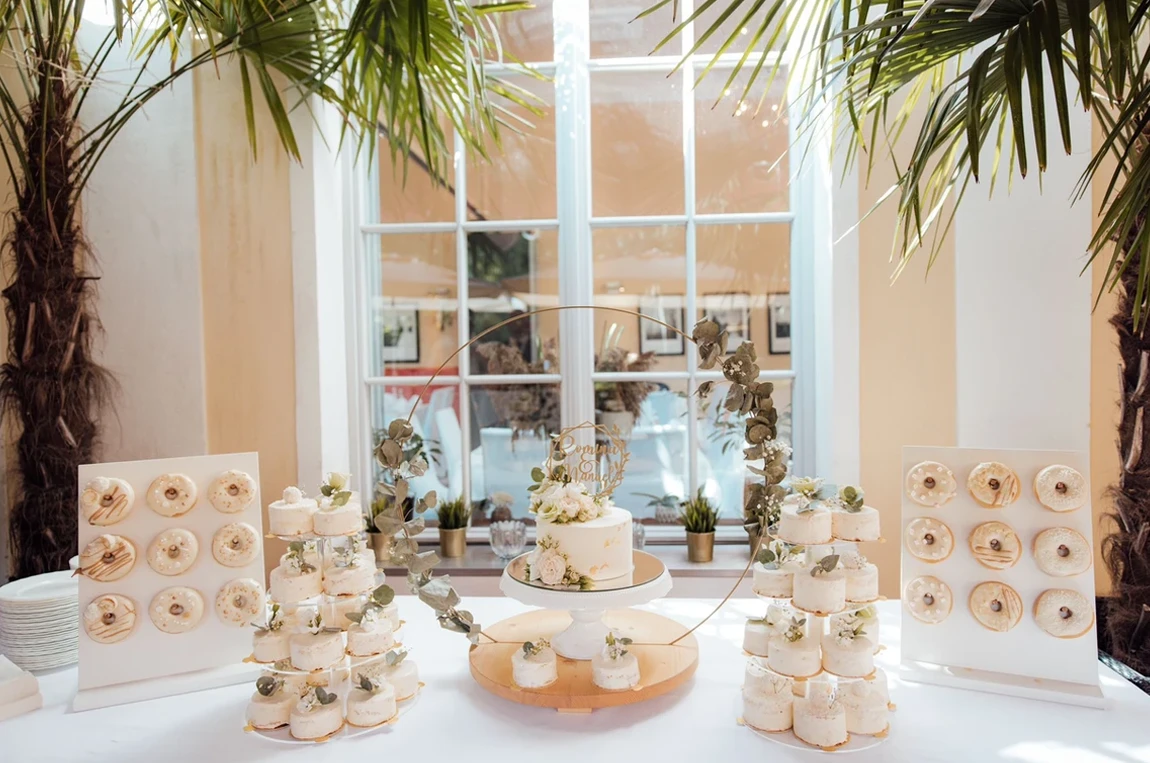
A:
576,623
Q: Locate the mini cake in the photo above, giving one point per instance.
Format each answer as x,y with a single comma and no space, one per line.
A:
849,653
774,570
272,704
337,519
295,579
317,647
400,672
795,654
821,589
372,703
335,611
348,576
270,645
861,577
851,519
317,714
292,515
820,719
767,699
757,635
615,667
867,706
310,551
535,665
370,634
865,619
805,521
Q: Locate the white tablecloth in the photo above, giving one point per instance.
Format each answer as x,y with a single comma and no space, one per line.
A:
455,719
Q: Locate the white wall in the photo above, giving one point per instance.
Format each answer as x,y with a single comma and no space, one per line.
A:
1022,307
141,215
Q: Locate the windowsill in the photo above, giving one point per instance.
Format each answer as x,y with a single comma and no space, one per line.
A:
729,562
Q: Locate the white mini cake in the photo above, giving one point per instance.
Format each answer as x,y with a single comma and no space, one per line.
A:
270,645
371,635
316,648
615,672
292,515
295,580
848,654
865,618
866,705
804,521
861,577
795,653
757,635
820,592
335,611
313,718
271,706
535,665
861,524
355,578
774,570
820,719
334,521
403,676
767,699
371,703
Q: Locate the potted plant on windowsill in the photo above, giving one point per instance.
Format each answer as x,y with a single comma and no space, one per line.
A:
699,517
453,516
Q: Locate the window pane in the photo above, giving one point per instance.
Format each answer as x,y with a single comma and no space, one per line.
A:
527,35
413,319
518,181
510,432
723,473
636,144
616,33
747,29
743,277
641,270
416,198
657,443
511,273
436,423
741,146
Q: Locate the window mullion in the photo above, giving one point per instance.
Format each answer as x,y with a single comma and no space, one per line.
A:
463,320
688,73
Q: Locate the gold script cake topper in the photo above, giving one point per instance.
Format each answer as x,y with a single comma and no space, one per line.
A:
602,462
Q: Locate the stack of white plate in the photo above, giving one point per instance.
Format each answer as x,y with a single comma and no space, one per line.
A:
39,620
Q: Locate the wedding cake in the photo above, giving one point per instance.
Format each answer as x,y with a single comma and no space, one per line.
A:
820,633
581,539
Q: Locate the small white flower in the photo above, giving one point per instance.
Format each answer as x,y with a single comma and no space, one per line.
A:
551,566
337,480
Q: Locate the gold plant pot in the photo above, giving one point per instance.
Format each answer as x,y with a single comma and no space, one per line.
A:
700,547
452,543
381,545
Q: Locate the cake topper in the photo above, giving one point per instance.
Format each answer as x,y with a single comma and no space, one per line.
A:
601,463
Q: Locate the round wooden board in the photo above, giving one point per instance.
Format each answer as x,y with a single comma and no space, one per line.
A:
662,668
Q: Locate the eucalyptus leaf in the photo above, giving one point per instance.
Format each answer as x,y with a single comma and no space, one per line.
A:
395,656
431,499
324,696
325,490
537,474
400,429
383,595
766,556
401,488
415,526
438,594
341,499
388,524
355,617
423,562
267,685
365,683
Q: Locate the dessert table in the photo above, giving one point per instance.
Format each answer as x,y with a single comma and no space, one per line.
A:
455,719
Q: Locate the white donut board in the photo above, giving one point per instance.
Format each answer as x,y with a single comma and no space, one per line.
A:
960,652
150,663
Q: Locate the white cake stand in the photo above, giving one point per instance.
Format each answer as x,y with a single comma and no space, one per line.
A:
583,639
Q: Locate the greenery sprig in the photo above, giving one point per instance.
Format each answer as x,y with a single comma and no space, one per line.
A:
268,685
795,630
777,553
335,487
617,646
373,607
825,565
297,557
851,498
532,648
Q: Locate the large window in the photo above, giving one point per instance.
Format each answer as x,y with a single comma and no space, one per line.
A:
634,191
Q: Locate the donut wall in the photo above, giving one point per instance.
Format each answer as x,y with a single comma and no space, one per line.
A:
171,574
997,571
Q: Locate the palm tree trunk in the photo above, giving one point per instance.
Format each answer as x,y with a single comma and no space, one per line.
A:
1125,548
49,386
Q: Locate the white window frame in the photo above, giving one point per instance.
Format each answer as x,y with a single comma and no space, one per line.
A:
810,195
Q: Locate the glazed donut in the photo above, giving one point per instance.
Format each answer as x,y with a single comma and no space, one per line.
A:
996,606
928,599
106,500
109,618
929,539
240,602
171,495
993,485
1060,488
1060,552
173,552
995,545
177,609
930,484
232,492
1064,613
109,557
236,545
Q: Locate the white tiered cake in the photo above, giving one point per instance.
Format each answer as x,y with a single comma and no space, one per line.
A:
819,627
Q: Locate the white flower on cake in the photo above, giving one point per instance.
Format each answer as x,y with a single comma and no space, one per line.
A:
562,502
549,566
334,491
616,646
850,498
275,620
795,630
296,558
807,486
777,553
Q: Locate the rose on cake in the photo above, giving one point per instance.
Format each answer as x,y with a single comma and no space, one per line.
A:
549,566
561,502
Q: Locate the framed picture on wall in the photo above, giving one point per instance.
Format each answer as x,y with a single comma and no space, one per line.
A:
733,312
399,331
654,337
779,323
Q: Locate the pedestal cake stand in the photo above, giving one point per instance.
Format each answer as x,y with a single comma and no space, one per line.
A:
576,622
